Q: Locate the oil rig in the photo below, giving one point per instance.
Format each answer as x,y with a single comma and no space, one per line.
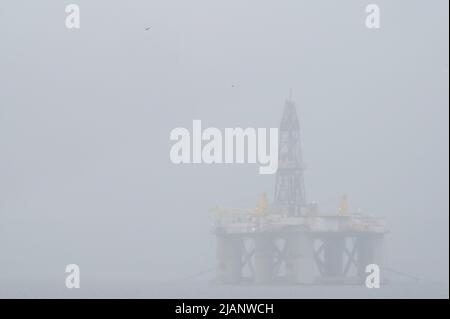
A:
290,241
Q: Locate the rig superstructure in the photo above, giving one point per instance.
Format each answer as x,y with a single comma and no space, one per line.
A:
290,241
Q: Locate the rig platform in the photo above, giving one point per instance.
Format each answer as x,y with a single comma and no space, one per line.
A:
290,241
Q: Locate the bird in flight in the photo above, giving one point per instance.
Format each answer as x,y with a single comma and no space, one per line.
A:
147,28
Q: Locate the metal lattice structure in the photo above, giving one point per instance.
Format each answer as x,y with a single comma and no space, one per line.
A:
289,185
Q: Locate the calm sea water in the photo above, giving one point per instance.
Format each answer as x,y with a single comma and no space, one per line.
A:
200,289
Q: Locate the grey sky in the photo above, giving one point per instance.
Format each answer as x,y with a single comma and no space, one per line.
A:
85,117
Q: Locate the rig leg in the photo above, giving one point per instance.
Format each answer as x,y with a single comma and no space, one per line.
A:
229,256
334,256
300,264
264,259
369,251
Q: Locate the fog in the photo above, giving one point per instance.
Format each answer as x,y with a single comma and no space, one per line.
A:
86,114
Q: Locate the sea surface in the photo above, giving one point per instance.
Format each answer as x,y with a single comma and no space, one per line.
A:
206,290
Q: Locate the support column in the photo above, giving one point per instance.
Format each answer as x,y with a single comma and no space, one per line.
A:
229,257
334,246
369,251
264,259
300,259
